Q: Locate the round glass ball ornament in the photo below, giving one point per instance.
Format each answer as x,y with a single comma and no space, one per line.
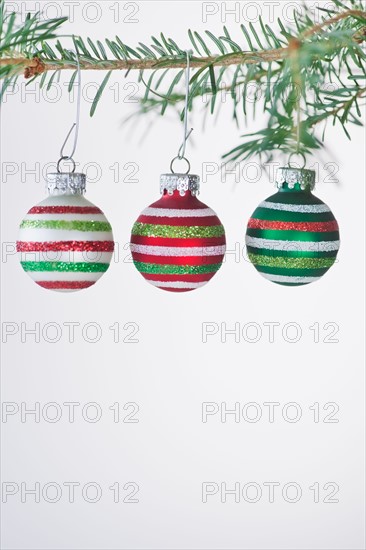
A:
178,243
65,242
292,237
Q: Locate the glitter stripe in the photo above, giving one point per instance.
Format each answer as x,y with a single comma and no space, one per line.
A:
293,235
292,272
68,257
188,278
296,217
304,246
295,226
65,217
178,222
287,279
176,269
37,235
291,263
68,225
290,253
175,213
178,250
303,208
65,210
66,246
64,276
180,232
172,260
294,197
176,284
65,285
163,241
84,267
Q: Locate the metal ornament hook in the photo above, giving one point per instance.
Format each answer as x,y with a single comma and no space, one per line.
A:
72,163
180,158
186,132
182,148
300,155
76,124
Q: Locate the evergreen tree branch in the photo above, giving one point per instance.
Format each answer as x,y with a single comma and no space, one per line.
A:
37,65
320,27
292,75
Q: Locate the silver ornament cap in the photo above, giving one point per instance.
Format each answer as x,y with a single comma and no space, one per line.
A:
181,183
66,183
295,176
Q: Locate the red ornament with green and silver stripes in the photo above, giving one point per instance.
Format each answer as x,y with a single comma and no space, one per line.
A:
292,237
178,243
65,243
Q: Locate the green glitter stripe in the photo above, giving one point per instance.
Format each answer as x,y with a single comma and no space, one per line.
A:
292,272
285,216
294,197
169,269
65,266
289,235
292,263
69,225
292,253
176,231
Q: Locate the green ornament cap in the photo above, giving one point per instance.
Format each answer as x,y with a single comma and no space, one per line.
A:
66,183
293,178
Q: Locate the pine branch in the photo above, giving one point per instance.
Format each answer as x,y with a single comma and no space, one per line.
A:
37,65
320,27
360,94
291,74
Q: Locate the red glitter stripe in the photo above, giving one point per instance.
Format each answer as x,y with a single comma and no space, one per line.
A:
65,210
196,278
65,285
316,227
208,221
162,241
177,260
66,246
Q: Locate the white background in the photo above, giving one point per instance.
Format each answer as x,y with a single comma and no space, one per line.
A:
170,372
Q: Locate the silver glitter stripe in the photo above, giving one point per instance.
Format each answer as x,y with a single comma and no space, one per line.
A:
176,284
288,279
291,246
303,208
178,250
175,213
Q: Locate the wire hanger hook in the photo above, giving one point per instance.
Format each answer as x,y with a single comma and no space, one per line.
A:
186,132
75,125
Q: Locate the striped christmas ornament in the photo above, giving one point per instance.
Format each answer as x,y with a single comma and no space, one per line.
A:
178,243
292,237
65,242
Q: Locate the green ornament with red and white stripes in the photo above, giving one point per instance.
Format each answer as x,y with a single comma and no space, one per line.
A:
292,237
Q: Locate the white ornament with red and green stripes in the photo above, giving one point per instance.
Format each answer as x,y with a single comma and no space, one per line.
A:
65,242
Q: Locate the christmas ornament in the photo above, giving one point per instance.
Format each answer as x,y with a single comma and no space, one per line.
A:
292,237
178,243
65,242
